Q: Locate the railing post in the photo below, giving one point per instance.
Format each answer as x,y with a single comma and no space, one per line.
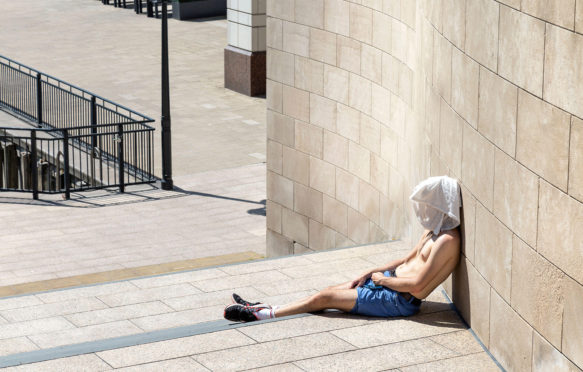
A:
33,164
120,157
39,99
66,165
93,123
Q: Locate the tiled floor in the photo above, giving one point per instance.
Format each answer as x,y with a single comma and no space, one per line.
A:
435,339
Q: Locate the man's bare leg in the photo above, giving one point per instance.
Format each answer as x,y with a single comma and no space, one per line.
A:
338,297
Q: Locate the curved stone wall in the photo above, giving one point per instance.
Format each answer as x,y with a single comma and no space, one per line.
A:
366,98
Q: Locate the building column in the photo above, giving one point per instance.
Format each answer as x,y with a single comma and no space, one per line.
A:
245,56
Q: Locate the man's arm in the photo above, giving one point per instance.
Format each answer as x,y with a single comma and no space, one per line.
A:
440,255
389,266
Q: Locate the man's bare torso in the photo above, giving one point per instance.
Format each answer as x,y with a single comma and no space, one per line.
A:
449,242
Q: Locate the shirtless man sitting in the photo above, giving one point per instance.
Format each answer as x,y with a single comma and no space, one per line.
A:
397,288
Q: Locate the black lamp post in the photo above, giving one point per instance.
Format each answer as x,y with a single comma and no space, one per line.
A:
167,183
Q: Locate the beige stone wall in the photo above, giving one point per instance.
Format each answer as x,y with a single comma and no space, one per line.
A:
368,97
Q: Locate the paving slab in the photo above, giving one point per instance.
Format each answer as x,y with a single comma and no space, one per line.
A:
148,326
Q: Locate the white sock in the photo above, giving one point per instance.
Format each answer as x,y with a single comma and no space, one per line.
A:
266,313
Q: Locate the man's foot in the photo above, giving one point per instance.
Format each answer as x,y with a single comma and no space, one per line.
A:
241,313
238,300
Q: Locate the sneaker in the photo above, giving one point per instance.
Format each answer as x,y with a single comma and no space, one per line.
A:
240,313
238,300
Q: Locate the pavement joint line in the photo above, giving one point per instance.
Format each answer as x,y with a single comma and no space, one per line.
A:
128,341
120,275
146,276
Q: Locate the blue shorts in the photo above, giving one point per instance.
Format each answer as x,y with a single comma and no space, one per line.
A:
382,301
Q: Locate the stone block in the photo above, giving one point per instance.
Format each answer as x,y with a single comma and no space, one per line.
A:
309,75
361,23
434,11
546,358
280,128
280,66
464,87
579,16
471,295
406,77
556,12
381,31
274,33
497,111
454,25
296,39
278,245
433,115
494,251
381,104
323,112
389,146
482,32
510,336
399,40
274,157
559,224
337,16
521,50
538,291
576,159
348,122
543,139
321,237
335,215
296,103
359,161
512,3
347,188
368,201
359,93
468,225
336,149
409,12
379,174
280,190
283,9
308,139
323,46
563,79
296,165
294,226
390,72
358,227
370,134
310,12
273,211
348,57
478,165
572,324
274,95
371,63
336,84
442,66
450,139
516,197
426,45
308,202
322,176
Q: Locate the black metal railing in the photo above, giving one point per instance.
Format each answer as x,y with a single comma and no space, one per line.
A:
73,117
64,160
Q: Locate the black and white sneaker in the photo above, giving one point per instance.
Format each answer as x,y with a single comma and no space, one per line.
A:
241,313
238,300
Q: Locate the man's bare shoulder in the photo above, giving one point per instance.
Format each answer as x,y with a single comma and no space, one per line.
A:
449,238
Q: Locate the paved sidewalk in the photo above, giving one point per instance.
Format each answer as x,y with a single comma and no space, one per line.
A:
213,213
182,312
115,53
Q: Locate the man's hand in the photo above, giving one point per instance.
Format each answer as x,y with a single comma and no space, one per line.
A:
377,278
359,282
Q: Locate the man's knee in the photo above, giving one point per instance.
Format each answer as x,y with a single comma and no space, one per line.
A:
323,297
